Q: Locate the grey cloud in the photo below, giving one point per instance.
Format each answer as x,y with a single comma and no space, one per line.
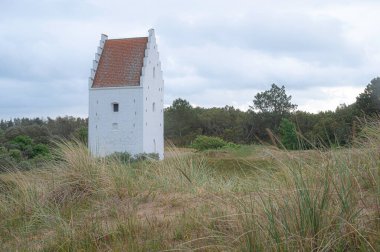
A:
284,34
229,49
47,9
41,98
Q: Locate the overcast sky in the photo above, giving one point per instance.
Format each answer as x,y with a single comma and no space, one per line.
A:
213,53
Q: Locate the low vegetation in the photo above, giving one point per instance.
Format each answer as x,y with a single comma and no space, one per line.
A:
26,143
252,198
202,143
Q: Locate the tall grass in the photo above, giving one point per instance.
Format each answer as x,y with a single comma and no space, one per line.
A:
327,201
315,200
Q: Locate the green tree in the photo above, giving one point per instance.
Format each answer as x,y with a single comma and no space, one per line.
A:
369,100
273,105
181,122
288,134
274,100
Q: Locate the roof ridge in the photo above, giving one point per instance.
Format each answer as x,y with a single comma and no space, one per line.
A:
129,38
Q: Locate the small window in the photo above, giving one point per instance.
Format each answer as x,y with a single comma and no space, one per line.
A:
115,126
153,106
154,72
115,107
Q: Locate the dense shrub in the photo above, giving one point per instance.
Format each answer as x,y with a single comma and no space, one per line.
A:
126,157
22,142
40,149
205,143
288,134
15,154
145,156
230,145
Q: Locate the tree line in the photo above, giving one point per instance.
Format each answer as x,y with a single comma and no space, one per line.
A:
272,115
272,118
25,142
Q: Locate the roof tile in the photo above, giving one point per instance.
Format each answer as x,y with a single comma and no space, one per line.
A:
121,63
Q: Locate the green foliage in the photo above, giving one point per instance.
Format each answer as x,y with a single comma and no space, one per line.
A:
180,122
82,134
272,106
127,158
1,135
22,142
15,154
41,149
146,156
123,157
23,153
369,101
274,100
230,145
26,143
202,143
288,134
3,150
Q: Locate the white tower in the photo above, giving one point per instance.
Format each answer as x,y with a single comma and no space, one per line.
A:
126,92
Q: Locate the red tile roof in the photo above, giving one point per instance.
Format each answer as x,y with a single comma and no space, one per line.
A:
121,63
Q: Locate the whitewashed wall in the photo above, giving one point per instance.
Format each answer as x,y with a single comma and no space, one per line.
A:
111,131
153,92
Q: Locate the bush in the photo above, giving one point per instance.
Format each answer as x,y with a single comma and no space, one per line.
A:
40,149
24,166
206,143
288,135
3,150
230,145
22,142
6,162
145,156
126,157
15,154
123,157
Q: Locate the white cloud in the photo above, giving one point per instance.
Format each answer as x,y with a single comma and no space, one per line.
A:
214,53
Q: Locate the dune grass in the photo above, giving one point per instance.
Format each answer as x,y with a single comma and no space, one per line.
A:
261,199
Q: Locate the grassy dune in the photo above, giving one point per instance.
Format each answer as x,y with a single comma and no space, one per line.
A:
253,199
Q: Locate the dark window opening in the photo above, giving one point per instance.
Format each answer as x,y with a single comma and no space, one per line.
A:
115,107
